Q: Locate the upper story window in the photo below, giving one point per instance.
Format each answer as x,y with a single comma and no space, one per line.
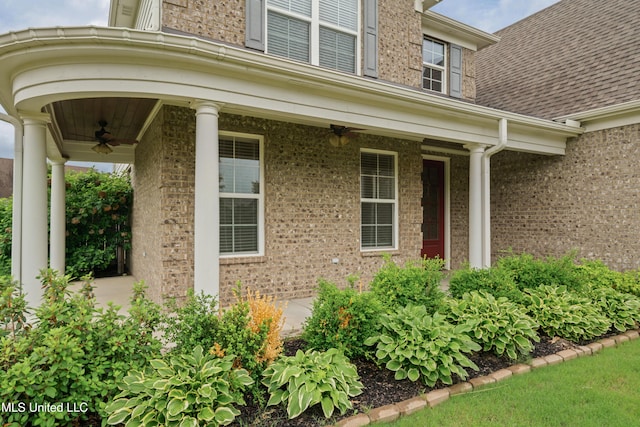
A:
241,194
320,32
434,65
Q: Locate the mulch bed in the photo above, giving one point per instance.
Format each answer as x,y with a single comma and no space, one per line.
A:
380,388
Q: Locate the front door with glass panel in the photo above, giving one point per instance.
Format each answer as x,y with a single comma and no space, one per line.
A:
433,209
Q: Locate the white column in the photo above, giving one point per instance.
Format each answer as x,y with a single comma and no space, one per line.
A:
207,211
475,205
58,225
34,205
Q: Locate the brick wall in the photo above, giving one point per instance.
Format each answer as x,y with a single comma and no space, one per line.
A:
146,213
218,20
587,200
312,208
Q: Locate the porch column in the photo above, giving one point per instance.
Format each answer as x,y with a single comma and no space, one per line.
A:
206,274
58,223
475,205
34,205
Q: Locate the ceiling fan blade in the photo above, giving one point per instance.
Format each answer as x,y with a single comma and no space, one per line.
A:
120,141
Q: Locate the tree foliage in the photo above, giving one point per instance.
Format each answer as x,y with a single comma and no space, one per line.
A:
97,222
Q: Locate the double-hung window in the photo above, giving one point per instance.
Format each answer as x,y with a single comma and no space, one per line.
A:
320,32
434,65
378,200
241,194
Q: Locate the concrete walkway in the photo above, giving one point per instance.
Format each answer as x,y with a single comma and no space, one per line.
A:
118,291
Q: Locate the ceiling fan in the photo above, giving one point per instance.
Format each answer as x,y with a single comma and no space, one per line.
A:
341,135
106,139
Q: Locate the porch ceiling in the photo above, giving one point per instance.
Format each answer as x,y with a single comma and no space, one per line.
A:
75,121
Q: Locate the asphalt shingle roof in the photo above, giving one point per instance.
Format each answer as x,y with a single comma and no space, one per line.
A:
573,56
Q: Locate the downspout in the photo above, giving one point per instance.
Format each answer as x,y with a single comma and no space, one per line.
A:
16,221
486,191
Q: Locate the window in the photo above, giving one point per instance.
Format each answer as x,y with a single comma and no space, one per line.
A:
434,65
320,32
378,200
241,194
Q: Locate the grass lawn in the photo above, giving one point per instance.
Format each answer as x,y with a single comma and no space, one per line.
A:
599,390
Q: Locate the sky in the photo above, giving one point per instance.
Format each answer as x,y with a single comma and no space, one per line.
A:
486,15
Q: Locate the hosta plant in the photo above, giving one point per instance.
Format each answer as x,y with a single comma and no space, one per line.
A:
623,310
497,324
565,314
194,389
310,378
417,345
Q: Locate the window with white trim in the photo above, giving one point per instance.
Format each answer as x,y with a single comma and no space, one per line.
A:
434,65
241,194
320,32
378,200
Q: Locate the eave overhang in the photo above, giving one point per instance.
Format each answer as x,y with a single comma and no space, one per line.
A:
451,30
43,66
623,114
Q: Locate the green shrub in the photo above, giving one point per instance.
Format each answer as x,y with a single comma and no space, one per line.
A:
565,314
194,389
73,353
623,310
597,274
417,282
499,325
193,323
631,283
199,322
310,378
416,345
529,272
497,281
342,319
6,211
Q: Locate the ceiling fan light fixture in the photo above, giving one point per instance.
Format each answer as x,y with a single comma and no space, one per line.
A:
102,149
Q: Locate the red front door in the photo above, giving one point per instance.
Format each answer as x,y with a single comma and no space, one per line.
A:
432,209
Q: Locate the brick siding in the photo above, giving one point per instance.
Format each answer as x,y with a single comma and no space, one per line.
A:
312,208
586,200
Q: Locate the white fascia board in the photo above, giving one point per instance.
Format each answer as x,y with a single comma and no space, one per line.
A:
46,65
452,31
623,114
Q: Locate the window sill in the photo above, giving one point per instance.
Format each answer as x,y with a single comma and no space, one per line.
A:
248,259
379,252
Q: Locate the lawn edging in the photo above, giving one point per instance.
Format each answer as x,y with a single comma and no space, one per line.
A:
392,412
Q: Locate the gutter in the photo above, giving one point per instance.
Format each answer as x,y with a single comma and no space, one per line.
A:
486,190
16,221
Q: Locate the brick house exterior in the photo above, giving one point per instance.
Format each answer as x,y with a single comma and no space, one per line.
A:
588,199
242,171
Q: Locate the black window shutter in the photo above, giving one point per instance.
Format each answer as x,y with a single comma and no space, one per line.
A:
371,38
254,32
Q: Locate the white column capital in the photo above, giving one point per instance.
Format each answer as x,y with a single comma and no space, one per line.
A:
474,147
34,117
206,107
